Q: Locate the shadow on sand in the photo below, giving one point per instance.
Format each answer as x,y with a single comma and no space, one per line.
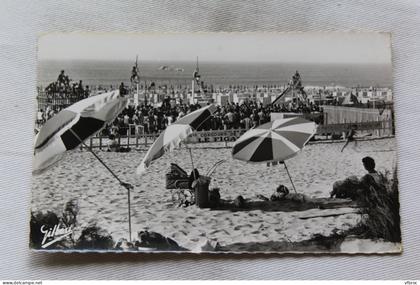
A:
317,244
284,205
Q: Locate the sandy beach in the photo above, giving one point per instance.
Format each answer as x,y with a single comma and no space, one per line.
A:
102,201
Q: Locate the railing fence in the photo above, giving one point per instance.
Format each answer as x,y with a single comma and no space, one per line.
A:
136,137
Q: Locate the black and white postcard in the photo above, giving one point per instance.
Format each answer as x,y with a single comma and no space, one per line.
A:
215,142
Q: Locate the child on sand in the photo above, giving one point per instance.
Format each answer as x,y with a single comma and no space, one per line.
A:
114,146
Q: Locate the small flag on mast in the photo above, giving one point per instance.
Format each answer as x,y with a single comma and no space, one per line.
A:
197,76
135,73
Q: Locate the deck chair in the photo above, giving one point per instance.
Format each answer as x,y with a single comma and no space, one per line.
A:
180,184
178,181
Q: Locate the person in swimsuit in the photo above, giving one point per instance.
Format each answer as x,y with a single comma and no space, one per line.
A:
350,136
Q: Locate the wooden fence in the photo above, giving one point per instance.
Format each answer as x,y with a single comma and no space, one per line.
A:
376,128
136,138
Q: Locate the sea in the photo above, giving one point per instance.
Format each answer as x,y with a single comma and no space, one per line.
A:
219,74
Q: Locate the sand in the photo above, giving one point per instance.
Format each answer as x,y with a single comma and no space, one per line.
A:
103,201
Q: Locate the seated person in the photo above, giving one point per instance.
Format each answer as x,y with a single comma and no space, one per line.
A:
114,146
123,90
372,178
280,193
372,175
353,188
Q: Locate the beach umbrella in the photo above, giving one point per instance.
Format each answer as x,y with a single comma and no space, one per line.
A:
70,127
275,141
172,136
74,124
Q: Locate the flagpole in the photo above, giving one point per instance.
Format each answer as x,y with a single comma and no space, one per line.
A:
138,80
138,95
192,90
124,184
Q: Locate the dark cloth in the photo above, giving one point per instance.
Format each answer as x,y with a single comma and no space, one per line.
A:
347,188
373,179
123,90
356,189
193,176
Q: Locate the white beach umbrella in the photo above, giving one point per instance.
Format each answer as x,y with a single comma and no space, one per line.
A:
70,127
74,124
172,136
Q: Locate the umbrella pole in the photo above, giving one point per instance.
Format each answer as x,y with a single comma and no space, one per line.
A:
124,184
287,170
129,212
192,162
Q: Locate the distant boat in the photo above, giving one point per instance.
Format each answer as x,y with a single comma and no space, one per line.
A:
171,68
164,67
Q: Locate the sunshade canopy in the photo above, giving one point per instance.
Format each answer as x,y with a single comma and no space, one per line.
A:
274,141
172,136
77,122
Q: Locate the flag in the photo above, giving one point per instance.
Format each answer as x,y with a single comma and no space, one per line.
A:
135,74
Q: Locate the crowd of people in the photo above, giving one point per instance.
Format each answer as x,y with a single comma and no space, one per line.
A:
232,116
43,115
59,94
66,87
155,119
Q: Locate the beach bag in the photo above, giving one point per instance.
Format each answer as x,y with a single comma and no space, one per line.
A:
201,186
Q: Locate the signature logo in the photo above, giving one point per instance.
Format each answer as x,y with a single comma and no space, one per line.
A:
55,234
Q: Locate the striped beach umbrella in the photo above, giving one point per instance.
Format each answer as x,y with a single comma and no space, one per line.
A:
275,141
74,124
172,136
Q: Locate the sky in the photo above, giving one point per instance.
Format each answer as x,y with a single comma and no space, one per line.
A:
337,47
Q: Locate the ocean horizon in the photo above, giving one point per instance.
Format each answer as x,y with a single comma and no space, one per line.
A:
220,74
